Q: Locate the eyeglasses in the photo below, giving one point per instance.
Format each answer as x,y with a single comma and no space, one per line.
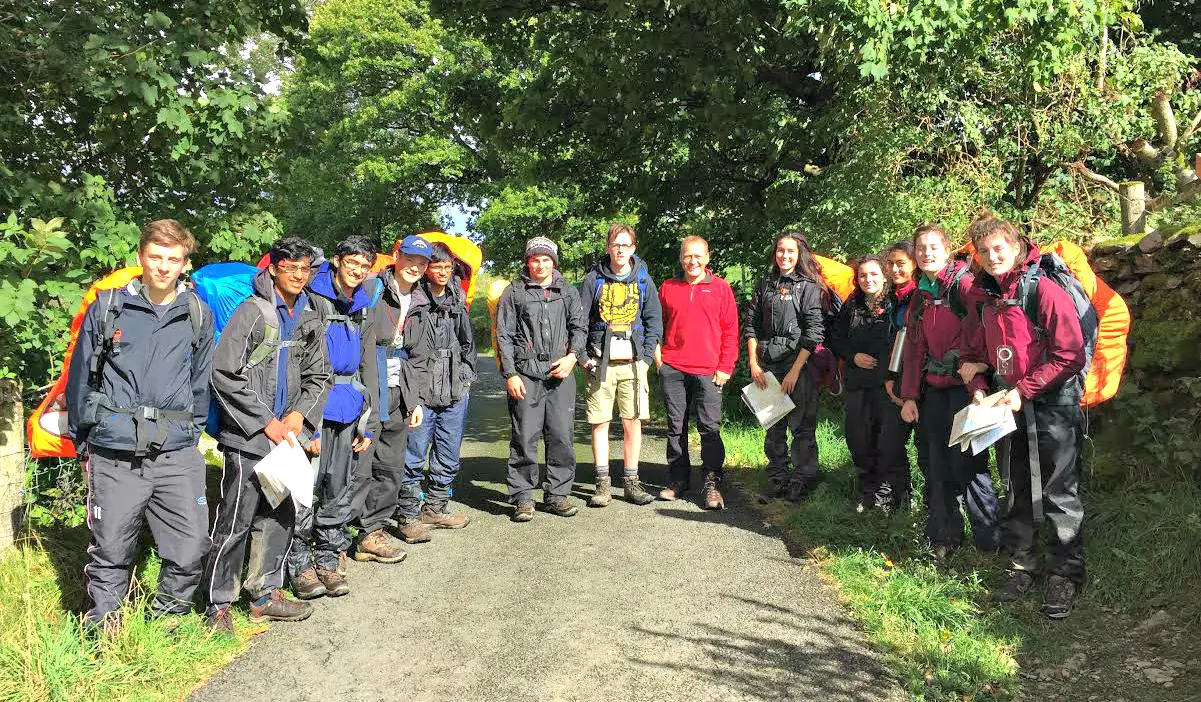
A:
293,269
353,267
621,247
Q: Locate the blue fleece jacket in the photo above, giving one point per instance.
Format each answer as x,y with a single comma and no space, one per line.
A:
344,345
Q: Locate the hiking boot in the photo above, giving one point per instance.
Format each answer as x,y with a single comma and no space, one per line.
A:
942,551
603,493
1058,597
713,498
221,621
1017,584
441,519
379,547
107,627
278,608
557,504
798,490
524,511
335,584
635,494
674,491
342,563
413,531
306,585
774,491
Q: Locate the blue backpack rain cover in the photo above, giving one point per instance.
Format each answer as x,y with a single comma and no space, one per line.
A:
223,286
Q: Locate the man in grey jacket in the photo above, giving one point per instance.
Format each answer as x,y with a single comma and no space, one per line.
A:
137,395
540,332
270,376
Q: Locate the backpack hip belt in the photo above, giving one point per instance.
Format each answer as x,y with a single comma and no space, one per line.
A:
948,365
143,416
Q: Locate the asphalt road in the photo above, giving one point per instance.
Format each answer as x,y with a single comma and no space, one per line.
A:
664,602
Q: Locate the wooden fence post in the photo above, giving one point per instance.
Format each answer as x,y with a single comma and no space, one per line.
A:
12,461
1133,197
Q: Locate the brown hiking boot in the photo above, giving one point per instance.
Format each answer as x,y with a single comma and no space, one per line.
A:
635,493
335,584
379,547
674,491
443,520
413,531
524,511
221,621
713,498
307,586
558,505
603,494
342,563
278,608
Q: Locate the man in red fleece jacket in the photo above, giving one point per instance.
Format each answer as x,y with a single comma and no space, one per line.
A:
696,358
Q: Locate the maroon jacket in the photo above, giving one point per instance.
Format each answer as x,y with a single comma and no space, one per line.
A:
935,334
1040,362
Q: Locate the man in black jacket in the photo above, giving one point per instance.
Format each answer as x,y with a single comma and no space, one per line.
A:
137,396
451,370
540,332
271,376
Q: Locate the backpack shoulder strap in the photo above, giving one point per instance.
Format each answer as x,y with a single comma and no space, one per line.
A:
270,340
110,309
196,317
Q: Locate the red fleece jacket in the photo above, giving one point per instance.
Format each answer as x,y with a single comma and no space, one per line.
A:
700,325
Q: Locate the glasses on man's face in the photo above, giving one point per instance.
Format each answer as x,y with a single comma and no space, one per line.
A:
354,267
294,268
620,247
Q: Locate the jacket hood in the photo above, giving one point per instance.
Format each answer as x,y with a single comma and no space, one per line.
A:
902,293
323,285
604,268
264,285
454,294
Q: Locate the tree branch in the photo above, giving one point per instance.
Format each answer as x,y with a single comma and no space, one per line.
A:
1097,178
1165,120
1190,129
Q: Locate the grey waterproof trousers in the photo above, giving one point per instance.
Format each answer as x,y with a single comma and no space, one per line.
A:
164,491
547,413
245,518
324,531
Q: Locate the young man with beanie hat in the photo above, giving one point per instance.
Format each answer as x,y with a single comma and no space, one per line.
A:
625,324
451,371
403,347
349,423
540,331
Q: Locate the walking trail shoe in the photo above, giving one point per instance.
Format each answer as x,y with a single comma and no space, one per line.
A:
674,491
798,490
342,563
1057,600
556,504
524,511
441,519
379,547
635,494
713,498
1017,584
221,621
278,608
603,493
307,586
413,531
335,584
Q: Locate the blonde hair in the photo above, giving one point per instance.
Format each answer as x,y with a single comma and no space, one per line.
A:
167,232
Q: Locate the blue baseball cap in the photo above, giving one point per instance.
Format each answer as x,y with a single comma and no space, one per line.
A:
414,245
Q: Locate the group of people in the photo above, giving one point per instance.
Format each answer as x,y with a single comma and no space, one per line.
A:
371,375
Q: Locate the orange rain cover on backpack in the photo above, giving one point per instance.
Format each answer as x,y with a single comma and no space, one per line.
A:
47,426
1113,325
838,276
461,247
1113,322
495,290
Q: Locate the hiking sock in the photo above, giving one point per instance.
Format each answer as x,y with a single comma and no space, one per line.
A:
602,470
629,472
263,600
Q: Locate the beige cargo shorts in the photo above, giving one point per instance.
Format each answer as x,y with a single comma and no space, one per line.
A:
624,384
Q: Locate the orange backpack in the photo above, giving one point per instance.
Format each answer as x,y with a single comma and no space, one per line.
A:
47,426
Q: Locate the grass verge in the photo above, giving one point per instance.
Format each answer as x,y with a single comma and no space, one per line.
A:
46,655
946,641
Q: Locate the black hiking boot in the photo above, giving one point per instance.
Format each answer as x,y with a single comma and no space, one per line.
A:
1017,584
1058,597
798,490
635,493
774,491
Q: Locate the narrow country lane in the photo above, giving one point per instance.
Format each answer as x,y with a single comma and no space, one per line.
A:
666,602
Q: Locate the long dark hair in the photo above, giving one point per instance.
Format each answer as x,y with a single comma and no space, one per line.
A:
885,291
805,264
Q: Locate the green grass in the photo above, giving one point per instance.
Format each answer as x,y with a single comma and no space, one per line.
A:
46,655
934,624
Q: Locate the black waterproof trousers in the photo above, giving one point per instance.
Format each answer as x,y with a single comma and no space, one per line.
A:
798,464
877,437
380,494
684,394
324,531
547,412
953,476
1060,435
164,491
245,518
